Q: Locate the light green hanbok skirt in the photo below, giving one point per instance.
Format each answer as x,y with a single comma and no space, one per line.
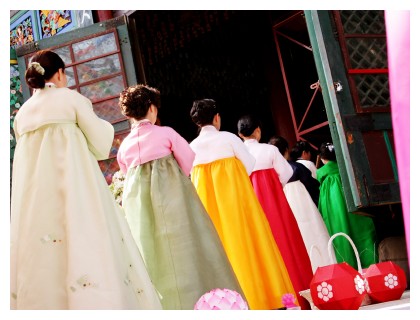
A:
179,243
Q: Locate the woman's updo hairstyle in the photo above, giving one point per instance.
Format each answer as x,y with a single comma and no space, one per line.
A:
136,100
41,68
298,149
247,125
203,111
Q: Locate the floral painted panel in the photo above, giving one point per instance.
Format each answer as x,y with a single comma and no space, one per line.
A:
52,22
16,97
22,30
16,101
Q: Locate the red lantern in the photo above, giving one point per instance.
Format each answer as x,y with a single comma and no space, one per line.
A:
338,286
385,281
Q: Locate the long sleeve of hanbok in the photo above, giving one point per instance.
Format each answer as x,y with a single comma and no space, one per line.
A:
242,153
183,153
282,167
98,132
121,162
17,135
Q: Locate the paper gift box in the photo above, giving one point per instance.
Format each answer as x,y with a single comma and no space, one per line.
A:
338,286
385,281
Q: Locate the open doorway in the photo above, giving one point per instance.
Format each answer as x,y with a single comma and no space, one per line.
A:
229,56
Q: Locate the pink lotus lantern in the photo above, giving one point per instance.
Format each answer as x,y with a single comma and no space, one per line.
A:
221,299
288,300
338,286
385,281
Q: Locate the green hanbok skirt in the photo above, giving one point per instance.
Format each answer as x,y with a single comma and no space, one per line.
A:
179,243
333,209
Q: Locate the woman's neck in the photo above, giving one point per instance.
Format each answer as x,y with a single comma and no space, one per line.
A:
251,137
135,122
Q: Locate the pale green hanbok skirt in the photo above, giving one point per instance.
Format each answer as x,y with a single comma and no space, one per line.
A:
180,246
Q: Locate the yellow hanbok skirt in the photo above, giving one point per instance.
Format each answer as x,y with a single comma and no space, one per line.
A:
226,191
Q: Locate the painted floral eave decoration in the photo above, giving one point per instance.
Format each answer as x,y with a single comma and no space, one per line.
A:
16,101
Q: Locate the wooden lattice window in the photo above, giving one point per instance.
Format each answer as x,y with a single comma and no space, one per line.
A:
94,67
362,38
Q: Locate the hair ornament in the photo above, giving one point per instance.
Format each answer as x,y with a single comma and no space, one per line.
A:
37,67
330,147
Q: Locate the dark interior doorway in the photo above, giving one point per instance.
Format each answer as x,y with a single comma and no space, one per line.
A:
229,56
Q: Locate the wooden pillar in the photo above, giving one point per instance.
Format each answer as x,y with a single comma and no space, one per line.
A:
103,15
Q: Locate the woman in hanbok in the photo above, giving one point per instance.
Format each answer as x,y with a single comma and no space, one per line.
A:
270,173
296,157
71,247
332,206
221,176
311,225
181,248
302,152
